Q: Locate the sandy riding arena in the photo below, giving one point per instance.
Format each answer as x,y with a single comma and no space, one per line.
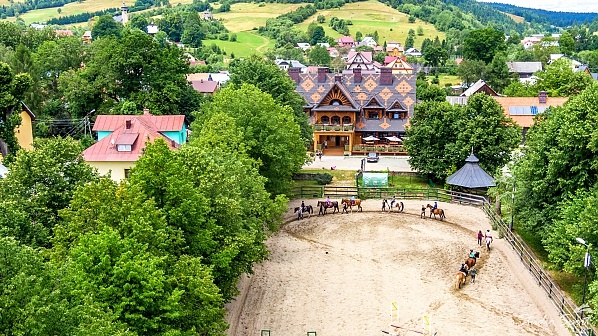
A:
338,275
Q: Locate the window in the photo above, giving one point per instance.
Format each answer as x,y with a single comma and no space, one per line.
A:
123,148
346,120
336,120
373,115
335,102
127,173
325,120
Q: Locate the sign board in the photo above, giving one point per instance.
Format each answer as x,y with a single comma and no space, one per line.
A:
375,179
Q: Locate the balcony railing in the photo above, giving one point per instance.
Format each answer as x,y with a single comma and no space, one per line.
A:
379,149
333,128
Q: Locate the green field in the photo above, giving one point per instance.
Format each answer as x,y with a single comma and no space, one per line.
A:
245,16
43,15
248,43
370,16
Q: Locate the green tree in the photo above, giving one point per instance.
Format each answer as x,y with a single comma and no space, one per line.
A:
567,43
435,56
483,44
431,138
139,21
270,79
358,36
470,71
559,80
409,41
497,73
321,19
106,26
420,31
192,30
272,136
560,143
12,90
319,55
316,33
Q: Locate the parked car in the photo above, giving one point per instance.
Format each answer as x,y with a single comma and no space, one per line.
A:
373,157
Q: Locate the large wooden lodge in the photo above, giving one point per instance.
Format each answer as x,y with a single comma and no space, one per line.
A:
347,107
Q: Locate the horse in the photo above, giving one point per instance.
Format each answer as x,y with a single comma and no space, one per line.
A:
351,203
323,205
459,280
397,204
435,212
308,209
470,262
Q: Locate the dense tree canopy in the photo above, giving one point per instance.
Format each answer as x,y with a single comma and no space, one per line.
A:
12,90
270,132
483,44
442,135
270,79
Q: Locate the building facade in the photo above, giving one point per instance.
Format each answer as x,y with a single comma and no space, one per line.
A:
346,108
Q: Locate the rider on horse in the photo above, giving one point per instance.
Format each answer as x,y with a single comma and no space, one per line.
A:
472,254
435,207
328,202
302,206
463,269
352,200
393,201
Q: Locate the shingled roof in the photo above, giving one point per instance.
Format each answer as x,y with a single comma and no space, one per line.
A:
471,175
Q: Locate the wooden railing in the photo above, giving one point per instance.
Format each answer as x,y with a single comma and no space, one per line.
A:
333,128
573,317
398,149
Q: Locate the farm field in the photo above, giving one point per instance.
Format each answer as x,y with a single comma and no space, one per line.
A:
248,43
339,274
370,16
246,16
43,15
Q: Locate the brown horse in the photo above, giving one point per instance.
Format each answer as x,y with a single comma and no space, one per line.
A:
435,212
351,203
459,280
397,204
470,262
323,205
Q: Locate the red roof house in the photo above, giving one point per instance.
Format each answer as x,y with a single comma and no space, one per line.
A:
345,41
122,138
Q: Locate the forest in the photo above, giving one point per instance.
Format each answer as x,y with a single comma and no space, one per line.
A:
558,19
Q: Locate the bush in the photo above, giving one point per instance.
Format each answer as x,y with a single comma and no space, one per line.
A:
223,37
324,178
411,19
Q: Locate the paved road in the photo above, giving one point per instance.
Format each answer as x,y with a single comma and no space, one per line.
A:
392,163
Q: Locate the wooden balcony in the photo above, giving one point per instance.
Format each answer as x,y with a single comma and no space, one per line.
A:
382,149
334,128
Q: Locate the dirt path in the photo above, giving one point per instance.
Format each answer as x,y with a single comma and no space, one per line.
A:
339,274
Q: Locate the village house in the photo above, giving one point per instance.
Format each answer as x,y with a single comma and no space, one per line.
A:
87,36
303,46
207,15
152,29
24,132
413,52
368,41
345,41
360,59
525,70
348,108
122,138
286,64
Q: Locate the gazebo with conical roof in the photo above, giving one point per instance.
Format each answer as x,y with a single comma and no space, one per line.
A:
471,175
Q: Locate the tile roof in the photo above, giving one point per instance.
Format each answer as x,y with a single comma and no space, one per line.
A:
142,128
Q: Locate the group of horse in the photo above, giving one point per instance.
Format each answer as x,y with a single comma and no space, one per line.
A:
323,206
461,276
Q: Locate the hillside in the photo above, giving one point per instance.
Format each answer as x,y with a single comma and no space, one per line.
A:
540,16
370,16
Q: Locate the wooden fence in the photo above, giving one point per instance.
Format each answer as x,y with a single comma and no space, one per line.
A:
572,315
435,194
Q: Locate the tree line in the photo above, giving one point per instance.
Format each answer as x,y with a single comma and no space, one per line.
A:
16,8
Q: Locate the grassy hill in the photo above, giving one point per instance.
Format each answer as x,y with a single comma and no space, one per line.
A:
370,16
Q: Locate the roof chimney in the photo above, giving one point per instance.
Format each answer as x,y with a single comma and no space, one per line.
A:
385,76
146,111
322,74
294,74
542,96
357,75
128,124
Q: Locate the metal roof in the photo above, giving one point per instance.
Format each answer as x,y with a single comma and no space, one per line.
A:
471,175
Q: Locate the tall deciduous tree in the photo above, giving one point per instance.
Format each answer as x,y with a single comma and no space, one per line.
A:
270,132
470,71
270,79
497,72
106,26
40,183
483,44
318,55
12,90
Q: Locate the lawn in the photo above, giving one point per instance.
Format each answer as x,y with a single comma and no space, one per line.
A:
246,16
43,15
446,79
248,43
370,16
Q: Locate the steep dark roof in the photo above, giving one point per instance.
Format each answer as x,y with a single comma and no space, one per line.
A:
471,175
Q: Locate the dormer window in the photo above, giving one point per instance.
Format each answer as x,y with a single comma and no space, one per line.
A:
335,102
125,142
